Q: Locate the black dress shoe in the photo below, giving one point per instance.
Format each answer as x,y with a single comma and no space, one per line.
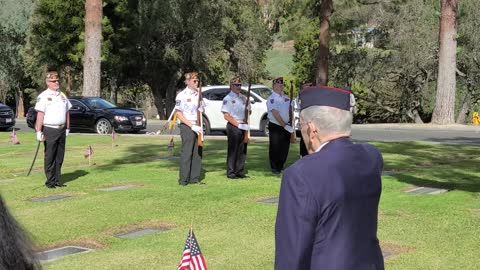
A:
182,184
242,176
275,171
50,186
231,176
60,185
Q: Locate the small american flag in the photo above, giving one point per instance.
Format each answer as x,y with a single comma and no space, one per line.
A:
114,135
14,138
171,144
88,152
192,258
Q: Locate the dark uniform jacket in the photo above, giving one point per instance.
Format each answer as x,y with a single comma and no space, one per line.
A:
328,208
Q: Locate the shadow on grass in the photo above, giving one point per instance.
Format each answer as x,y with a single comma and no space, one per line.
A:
433,165
420,164
443,182
72,176
214,157
456,140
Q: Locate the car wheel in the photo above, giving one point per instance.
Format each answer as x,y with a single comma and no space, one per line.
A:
264,127
103,126
206,126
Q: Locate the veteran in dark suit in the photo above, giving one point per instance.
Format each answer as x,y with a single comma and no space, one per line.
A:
328,206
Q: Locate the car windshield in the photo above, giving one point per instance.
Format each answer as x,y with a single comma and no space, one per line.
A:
263,92
98,103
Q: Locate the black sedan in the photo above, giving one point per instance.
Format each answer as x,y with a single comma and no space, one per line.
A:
99,115
7,118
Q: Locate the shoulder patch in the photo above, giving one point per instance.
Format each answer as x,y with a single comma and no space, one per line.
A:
225,102
272,100
233,101
177,102
38,99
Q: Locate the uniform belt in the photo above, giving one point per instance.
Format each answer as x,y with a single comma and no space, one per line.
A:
54,126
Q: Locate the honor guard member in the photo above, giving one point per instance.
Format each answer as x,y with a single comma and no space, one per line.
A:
233,110
278,107
52,126
186,106
328,207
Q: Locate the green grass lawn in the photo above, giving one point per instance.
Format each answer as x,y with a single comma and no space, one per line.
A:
279,61
234,231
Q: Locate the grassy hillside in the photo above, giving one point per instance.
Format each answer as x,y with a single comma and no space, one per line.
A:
279,59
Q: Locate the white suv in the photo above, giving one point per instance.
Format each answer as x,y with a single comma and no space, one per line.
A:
213,116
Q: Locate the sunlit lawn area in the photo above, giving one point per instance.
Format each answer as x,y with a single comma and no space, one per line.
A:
234,231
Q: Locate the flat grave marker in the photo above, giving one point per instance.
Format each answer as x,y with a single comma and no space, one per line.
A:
387,254
57,253
426,190
167,157
272,200
50,198
140,232
115,188
387,173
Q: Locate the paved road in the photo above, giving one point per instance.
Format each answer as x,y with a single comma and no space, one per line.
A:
452,134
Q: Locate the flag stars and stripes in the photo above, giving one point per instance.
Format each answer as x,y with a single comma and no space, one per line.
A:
192,258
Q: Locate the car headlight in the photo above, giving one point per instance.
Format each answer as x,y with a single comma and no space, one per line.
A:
120,118
144,118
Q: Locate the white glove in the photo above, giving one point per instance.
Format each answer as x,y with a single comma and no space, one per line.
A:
289,128
243,126
39,136
197,129
67,131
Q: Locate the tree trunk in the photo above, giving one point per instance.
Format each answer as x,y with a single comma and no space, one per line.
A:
20,108
415,116
444,110
158,96
171,92
465,110
68,77
321,75
92,56
113,90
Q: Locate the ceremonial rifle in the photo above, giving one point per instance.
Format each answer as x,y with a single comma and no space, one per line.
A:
293,136
34,158
199,114
246,119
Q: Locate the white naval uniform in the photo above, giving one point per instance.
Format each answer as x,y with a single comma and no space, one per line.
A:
190,157
279,138
234,104
55,105
187,102
280,103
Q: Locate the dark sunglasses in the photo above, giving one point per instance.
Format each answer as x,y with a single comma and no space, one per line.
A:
236,84
195,81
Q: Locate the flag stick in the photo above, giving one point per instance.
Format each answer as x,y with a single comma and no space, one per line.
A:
191,235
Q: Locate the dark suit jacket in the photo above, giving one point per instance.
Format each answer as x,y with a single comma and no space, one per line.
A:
328,208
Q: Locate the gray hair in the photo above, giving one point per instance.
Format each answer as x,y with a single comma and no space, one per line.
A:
328,120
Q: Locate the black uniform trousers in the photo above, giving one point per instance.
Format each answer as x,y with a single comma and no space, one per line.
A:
279,140
190,158
54,153
237,151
